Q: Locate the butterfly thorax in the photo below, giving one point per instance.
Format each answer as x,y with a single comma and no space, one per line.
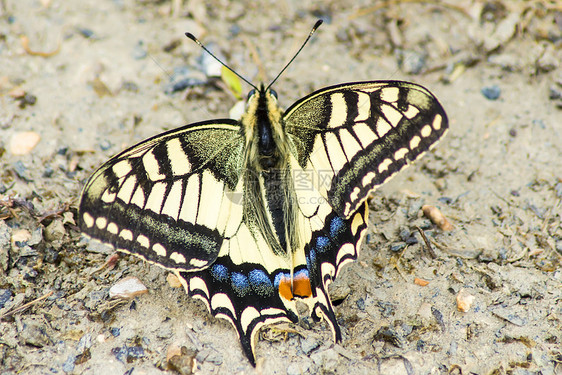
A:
269,192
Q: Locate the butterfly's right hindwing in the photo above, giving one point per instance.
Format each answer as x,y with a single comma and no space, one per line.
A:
148,199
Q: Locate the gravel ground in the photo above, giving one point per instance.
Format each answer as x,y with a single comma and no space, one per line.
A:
81,80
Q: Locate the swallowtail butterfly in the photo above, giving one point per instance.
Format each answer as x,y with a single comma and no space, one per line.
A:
252,215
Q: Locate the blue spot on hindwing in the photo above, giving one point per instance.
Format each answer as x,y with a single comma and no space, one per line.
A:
240,283
311,259
302,272
219,272
279,277
336,226
322,243
260,282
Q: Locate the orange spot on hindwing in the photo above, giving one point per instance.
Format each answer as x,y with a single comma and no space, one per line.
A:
285,288
300,287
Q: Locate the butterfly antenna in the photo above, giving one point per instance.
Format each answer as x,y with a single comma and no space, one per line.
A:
316,26
192,37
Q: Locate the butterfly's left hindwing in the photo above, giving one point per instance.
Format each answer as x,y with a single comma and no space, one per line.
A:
169,199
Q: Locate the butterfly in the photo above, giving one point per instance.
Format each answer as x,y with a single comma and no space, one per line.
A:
253,215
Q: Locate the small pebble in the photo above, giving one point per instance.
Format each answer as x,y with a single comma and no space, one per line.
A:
397,247
210,355
27,251
181,360
453,347
173,281
389,335
48,171
234,30
22,143
84,343
438,315
34,334
86,33
130,86
237,110
5,295
184,77
21,170
298,368
436,217
105,145
20,237
127,288
24,98
134,352
83,357
173,350
421,282
98,247
504,31
464,300
172,45
5,241
27,99
17,93
309,344
387,309
115,332
555,94
181,85
55,231
491,92
120,352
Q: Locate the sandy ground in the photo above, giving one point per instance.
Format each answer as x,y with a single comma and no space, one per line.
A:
92,80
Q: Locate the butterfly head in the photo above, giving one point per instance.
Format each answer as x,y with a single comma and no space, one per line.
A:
263,128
